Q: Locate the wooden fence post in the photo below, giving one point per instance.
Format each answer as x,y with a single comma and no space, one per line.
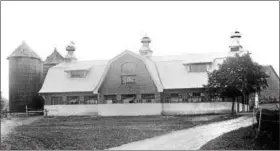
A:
46,111
253,115
260,119
26,111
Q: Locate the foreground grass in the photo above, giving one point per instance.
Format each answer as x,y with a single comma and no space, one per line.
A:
242,139
83,133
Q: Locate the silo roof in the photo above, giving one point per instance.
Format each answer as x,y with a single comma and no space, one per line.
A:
54,58
24,50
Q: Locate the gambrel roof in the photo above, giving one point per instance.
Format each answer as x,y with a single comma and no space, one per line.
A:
57,80
149,64
167,72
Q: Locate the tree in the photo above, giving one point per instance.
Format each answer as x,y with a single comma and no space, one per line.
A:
236,76
38,102
4,103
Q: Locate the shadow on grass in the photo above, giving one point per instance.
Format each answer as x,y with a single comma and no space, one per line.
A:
245,138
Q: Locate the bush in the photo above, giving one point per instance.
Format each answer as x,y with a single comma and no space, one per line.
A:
38,102
267,140
269,130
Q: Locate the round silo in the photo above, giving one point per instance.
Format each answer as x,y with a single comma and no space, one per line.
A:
25,77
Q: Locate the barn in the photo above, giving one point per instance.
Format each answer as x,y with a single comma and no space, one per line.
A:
132,84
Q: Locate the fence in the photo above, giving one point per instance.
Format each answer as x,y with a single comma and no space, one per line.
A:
28,112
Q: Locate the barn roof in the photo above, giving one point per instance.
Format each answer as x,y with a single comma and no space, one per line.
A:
174,75
54,58
57,79
23,50
167,72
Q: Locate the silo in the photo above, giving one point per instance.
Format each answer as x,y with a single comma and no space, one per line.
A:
25,77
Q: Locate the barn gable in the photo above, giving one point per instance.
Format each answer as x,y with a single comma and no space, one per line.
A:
130,56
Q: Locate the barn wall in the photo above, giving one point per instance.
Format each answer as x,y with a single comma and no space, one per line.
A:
182,92
129,109
272,91
112,84
196,108
81,95
68,110
141,109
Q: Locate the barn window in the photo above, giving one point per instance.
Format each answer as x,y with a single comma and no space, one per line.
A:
91,99
268,73
73,100
56,100
78,74
198,67
128,68
128,79
148,98
175,97
195,97
109,99
195,94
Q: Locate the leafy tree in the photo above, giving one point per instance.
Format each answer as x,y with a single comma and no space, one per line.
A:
38,102
4,103
236,76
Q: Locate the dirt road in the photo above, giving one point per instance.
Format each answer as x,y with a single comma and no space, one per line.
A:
189,139
7,125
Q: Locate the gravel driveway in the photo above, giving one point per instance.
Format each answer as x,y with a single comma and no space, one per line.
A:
189,139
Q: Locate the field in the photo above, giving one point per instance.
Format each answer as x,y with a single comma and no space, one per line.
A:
85,133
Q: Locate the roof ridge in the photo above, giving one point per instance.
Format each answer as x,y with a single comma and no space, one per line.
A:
200,53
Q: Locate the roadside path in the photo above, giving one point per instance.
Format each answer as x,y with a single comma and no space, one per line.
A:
189,139
7,125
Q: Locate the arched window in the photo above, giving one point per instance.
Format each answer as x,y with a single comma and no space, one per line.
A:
128,68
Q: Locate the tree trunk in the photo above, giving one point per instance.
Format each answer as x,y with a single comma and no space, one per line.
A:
232,107
243,101
248,102
237,102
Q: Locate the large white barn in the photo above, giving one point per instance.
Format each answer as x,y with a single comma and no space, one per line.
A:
135,83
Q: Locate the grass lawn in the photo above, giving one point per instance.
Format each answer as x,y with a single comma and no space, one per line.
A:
83,133
241,139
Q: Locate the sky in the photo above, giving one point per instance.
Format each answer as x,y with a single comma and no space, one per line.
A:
102,30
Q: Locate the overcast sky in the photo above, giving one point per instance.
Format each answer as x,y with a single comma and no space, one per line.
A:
102,30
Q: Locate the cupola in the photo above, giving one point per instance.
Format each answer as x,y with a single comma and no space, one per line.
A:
235,42
145,50
70,57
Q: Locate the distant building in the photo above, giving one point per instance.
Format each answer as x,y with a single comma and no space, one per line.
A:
52,60
271,93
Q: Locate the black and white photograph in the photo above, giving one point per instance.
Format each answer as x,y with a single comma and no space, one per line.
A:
140,75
